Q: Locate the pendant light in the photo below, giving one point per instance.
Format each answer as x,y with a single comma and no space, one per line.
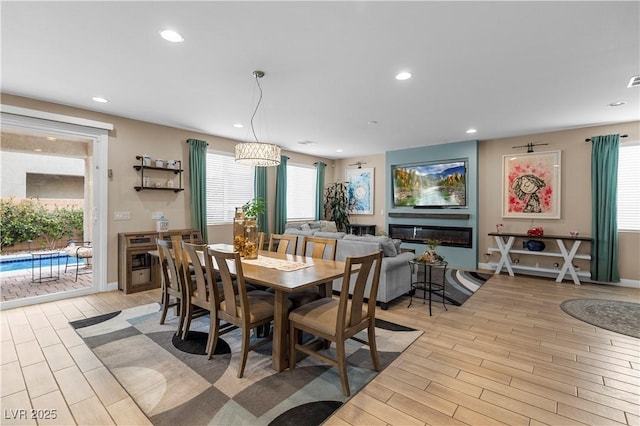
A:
257,153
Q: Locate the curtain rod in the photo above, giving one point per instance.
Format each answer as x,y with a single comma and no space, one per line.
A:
589,139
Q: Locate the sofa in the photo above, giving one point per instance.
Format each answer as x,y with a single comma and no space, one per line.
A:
395,272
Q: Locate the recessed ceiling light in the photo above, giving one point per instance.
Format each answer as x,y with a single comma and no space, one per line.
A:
471,131
403,76
171,36
100,99
306,142
238,126
618,103
338,150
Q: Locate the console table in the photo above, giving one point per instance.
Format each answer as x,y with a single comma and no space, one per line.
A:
357,229
505,242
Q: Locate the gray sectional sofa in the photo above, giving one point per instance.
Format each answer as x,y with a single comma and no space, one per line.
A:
395,273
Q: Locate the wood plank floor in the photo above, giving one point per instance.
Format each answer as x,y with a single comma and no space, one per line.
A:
508,356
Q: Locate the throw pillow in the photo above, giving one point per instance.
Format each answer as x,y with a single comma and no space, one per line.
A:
328,226
305,227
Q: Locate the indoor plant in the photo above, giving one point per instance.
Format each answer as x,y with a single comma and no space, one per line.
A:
430,255
336,204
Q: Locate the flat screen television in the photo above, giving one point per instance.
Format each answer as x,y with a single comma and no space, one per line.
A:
440,184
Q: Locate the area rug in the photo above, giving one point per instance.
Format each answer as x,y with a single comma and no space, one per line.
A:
460,284
174,383
613,315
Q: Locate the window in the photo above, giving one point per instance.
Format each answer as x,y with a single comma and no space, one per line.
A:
229,185
301,192
629,187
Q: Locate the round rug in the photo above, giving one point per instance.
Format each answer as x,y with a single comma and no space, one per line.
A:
621,317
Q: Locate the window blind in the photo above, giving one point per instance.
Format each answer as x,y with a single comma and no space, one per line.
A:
629,186
229,185
301,192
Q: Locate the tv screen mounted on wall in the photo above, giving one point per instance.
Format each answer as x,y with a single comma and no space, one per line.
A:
430,185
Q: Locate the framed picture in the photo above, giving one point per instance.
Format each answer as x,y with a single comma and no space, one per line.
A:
360,189
531,185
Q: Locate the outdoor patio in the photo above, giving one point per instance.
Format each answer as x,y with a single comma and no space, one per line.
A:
19,285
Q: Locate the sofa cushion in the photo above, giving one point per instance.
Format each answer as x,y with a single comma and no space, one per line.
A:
387,244
305,227
295,231
332,235
328,226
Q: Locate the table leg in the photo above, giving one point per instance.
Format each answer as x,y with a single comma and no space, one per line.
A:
430,268
280,323
504,248
568,261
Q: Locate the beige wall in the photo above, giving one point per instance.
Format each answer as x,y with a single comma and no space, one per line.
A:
575,191
130,138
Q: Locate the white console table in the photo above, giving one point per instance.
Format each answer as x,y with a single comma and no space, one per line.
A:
505,242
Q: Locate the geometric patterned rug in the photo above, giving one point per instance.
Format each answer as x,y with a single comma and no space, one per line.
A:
460,284
174,383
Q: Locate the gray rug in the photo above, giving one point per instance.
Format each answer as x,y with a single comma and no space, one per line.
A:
621,317
174,383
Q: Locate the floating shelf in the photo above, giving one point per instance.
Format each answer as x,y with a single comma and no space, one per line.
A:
431,215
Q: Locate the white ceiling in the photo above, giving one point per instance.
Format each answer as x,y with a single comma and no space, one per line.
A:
504,68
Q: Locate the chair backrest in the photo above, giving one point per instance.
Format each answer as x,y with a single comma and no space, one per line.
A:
284,242
318,247
236,309
261,237
369,264
203,287
170,271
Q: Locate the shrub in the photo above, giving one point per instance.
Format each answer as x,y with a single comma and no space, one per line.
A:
30,220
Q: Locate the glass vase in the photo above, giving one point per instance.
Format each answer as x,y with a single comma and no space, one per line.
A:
238,231
251,238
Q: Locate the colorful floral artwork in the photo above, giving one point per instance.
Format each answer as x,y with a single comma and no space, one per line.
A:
531,185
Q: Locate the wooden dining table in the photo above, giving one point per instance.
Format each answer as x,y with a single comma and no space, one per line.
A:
320,273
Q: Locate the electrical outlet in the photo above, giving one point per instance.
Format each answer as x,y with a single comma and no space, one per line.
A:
121,215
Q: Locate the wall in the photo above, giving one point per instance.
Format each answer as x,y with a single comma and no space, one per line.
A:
575,189
130,138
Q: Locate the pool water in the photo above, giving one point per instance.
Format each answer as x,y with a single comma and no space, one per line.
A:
20,263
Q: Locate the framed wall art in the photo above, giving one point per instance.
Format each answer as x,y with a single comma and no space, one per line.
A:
360,189
531,185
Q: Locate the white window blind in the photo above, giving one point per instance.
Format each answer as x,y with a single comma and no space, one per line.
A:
301,192
629,186
229,185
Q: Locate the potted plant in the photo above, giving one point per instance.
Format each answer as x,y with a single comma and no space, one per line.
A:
253,208
336,204
430,255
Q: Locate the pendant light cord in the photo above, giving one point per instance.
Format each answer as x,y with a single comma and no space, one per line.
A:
257,106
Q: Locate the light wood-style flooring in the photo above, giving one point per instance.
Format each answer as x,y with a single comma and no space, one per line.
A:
509,355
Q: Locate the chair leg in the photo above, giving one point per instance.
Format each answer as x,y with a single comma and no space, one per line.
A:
372,345
165,307
293,338
245,351
77,268
341,357
66,263
213,338
181,318
188,314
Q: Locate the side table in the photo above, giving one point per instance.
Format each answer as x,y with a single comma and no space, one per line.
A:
37,258
426,284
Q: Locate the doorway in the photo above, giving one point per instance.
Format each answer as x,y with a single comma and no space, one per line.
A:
66,138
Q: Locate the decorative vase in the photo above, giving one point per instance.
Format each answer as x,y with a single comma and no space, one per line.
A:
533,245
251,237
238,231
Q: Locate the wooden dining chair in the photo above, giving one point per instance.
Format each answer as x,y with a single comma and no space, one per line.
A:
337,320
316,247
246,310
171,283
280,243
199,297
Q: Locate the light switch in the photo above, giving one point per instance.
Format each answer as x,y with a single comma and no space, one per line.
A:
121,215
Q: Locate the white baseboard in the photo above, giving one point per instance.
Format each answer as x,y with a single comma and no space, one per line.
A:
624,282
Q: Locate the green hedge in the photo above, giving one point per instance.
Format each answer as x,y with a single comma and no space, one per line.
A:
30,220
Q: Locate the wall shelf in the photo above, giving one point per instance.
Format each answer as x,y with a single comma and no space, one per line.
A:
431,215
157,171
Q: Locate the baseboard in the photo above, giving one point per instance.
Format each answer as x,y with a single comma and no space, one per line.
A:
624,282
111,286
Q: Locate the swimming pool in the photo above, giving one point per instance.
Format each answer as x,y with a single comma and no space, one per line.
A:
14,263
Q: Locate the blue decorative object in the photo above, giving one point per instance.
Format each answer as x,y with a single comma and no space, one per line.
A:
533,245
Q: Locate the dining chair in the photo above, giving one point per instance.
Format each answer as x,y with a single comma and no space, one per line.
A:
317,246
171,283
246,310
199,297
337,320
280,243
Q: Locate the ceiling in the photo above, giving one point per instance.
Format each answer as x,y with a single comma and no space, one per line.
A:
503,68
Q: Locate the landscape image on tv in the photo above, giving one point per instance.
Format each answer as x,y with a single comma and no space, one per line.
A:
430,185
